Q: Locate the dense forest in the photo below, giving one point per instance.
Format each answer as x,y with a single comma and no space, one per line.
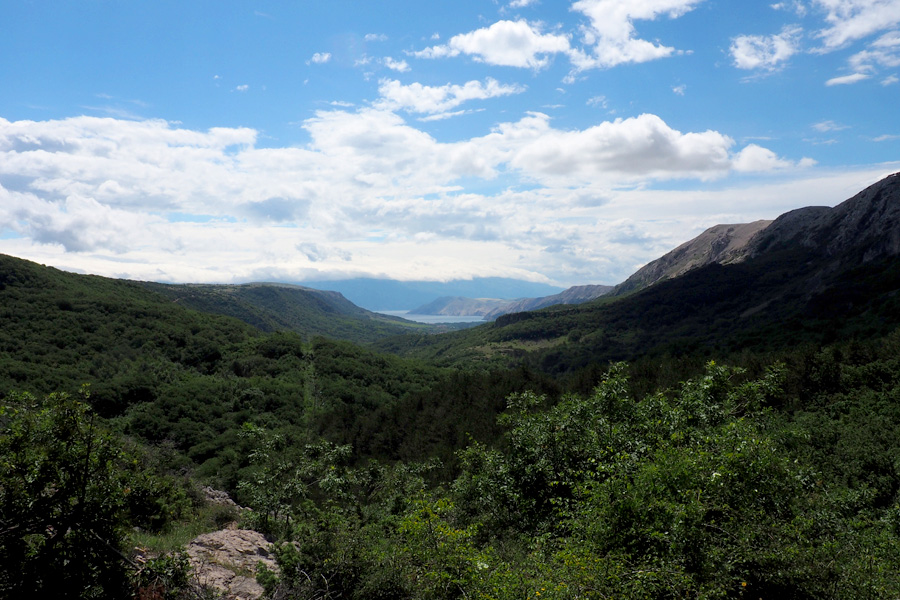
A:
669,443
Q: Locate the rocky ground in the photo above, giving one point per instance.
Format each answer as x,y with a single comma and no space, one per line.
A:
227,561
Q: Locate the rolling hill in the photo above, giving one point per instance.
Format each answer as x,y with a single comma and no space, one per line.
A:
284,307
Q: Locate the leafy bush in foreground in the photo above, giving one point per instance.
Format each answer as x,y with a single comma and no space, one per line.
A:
69,492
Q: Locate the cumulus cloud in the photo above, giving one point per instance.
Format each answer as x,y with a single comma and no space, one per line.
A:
368,190
395,65
765,52
505,43
611,33
851,20
78,224
757,158
420,98
621,149
320,58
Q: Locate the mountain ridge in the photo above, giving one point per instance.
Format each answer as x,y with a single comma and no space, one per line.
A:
812,275
721,244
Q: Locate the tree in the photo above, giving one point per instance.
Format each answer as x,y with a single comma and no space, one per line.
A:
62,500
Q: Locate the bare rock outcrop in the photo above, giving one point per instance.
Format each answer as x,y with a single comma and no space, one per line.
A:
216,497
860,230
721,244
227,561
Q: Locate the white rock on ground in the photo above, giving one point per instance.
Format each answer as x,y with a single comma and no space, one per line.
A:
227,561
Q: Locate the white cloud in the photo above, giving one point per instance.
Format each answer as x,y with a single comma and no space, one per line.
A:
320,58
824,126
317,252
376,37
798,7
765,52
361,61
679,89
622,150
521,3
242,88
420,98
611,32
890,80
885,52
369,194
756,158
444,115
505,43
395,65
847,79
851,20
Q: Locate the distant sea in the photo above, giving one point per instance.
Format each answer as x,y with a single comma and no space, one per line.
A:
432,319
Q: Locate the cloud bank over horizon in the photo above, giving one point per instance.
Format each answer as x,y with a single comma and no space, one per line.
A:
566,144
368,188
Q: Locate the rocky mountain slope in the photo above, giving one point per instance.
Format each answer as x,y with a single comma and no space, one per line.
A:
722,244
491,308
577,294
859,230
459,306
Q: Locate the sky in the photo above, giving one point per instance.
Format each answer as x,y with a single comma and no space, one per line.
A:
559,142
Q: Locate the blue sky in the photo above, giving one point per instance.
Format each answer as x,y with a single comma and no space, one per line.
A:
559,142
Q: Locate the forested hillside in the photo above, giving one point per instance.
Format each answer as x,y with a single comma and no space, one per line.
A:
191,379
282,307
